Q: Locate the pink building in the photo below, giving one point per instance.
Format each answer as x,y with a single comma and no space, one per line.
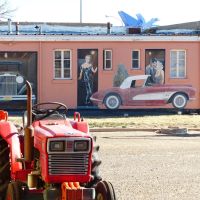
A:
70,68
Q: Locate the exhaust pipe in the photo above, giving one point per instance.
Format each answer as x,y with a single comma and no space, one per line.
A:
29,132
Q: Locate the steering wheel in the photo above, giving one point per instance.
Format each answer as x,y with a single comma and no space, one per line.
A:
43,112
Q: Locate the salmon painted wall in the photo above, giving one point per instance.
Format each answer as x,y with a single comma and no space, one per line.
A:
122,55
65,91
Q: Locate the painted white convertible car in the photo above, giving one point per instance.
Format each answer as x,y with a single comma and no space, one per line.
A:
135,92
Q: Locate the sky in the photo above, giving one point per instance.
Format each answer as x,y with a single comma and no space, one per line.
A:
95,11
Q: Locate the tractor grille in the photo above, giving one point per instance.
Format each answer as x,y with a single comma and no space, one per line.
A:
8,85
68,164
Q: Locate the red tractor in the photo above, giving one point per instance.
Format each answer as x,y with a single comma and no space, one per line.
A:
50,157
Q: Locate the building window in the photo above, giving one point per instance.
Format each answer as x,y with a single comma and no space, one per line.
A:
62,64
107,60
178,64
135,59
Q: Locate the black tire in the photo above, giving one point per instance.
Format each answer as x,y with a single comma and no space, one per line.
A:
13,191
111,190
179,101
104,191
4,167
95,172
96,162
112,101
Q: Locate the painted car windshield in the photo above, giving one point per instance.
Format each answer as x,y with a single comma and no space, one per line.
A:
138,83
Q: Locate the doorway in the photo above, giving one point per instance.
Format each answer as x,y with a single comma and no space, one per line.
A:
87,76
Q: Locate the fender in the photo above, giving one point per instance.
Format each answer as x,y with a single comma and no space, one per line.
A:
80,124
9,133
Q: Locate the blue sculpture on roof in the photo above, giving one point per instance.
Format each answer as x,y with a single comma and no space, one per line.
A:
138,22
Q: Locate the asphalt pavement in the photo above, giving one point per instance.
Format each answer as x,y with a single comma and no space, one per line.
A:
150,166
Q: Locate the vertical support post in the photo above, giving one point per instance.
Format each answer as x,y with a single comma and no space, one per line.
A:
81,11
17,28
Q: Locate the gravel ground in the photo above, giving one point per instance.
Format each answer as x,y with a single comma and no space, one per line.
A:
143,165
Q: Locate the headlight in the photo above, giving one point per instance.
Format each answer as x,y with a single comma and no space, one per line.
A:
81,145
57,146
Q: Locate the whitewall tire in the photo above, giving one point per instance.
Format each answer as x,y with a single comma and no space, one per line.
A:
112,101
179,101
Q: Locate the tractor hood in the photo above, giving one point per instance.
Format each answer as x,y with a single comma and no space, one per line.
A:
56,128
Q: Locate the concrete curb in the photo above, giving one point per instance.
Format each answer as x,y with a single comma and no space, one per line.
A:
132,129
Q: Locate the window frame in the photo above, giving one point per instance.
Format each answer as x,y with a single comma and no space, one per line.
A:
62,64
139,53
105,59
178,61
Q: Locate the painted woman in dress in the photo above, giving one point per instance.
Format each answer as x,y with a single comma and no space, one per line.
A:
86,75
160,75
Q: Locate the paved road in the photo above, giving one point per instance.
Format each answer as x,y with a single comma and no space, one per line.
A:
147,166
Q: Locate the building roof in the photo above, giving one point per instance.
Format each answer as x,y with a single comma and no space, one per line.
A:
98,38
188,25
11,29
32,28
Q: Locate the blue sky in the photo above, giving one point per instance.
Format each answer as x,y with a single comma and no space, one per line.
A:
168,11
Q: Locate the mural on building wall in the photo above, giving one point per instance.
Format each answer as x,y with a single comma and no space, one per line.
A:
87,75
120,75
15,69
155,61
148,89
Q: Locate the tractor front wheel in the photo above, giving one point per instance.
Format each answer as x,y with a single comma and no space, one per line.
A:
4,167
104,191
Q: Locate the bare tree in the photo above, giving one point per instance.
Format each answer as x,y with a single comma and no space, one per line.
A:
120,76
5,11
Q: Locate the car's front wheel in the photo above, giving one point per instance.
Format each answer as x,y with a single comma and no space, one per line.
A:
179,101
112,101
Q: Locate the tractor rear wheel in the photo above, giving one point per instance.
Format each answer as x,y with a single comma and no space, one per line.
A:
104,191
96,162
4,167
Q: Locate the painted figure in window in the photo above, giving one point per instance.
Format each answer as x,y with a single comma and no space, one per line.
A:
151,70
87,71
159,76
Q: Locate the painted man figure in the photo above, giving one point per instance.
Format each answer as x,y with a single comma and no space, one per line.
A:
151,70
